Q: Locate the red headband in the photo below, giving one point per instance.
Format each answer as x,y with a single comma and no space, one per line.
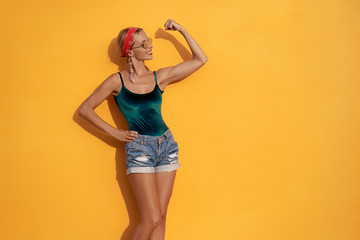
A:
128,40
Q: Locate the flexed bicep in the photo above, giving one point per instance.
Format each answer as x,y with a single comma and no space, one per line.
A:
179,72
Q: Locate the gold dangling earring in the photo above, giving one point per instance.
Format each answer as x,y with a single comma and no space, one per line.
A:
131,70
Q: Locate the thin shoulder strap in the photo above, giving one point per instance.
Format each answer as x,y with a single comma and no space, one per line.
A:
121,79
155,78
157,83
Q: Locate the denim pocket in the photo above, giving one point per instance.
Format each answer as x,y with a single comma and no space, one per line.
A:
133,146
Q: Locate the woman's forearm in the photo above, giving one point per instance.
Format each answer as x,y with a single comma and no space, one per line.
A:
91,116
197,52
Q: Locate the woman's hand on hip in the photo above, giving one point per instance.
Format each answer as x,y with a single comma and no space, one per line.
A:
124,135
172,25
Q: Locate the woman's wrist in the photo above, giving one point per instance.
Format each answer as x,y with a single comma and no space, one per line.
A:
182,29
113,131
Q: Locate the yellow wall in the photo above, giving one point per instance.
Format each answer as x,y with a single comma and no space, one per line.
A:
268,128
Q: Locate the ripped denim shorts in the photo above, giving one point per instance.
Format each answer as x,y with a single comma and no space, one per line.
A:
150,154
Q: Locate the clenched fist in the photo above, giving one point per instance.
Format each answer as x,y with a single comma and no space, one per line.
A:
172,25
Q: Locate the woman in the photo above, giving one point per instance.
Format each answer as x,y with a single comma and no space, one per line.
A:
150,148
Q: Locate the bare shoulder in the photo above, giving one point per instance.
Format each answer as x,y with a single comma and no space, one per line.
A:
161,74
116,82
165,76
108,86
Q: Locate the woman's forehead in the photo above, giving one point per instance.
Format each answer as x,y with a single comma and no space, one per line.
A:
141,36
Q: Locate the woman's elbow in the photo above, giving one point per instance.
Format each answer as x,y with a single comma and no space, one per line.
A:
204,60
83,111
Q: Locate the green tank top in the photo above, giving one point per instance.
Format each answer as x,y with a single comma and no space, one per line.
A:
142,111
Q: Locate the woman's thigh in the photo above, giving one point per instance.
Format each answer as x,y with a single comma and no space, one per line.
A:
165,184
146,194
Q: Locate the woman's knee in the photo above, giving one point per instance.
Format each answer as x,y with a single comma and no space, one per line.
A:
153,220
163,215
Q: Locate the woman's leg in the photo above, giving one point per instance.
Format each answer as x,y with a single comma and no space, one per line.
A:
147,197
165,183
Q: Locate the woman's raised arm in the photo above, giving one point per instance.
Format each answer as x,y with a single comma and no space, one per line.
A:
171,74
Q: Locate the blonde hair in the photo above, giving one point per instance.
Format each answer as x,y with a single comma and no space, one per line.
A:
122,35
120,42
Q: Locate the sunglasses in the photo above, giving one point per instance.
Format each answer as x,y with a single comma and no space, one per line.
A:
144,44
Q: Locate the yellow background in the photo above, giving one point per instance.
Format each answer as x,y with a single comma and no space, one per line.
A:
268,128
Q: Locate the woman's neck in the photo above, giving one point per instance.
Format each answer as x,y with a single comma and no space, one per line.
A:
140,69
